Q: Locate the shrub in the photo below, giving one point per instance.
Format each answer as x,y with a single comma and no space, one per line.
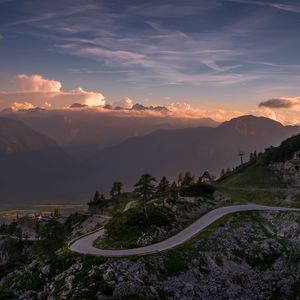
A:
197,189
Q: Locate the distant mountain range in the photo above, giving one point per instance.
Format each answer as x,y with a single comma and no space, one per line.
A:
168,152
84,132
35,168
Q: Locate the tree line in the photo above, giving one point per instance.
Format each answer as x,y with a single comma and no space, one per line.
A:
148,188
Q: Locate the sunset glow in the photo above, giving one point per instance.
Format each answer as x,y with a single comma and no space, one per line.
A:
222,58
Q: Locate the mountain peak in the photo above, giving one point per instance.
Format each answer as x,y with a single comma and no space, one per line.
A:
138,106
251,126
78,105
250,121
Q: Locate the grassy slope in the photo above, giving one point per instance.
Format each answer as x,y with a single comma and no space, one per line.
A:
255,176
117,204
255,183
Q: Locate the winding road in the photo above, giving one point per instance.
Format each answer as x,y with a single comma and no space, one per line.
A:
84,245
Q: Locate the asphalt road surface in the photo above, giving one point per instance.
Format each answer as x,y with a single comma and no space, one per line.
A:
84,245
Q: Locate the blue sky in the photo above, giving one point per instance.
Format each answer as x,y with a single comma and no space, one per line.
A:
229,54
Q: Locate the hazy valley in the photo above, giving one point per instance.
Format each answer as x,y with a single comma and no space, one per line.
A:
149,150
45,171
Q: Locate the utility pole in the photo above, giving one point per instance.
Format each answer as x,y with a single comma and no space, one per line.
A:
241,155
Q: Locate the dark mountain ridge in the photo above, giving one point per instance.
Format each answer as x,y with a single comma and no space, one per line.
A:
33,166
168,152
84,132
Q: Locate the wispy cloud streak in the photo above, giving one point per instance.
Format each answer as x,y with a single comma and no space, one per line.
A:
281,6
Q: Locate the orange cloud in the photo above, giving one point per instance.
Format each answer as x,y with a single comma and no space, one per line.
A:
36,83
44,92
22,106
125,103
35,90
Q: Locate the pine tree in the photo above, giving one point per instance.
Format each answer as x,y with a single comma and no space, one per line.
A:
180,179
174,192
96,197
163,188
145,189
188,178
56,212
116,188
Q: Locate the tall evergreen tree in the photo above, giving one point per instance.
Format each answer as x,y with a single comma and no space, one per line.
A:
188,178
180,179
96,196
174,192
56,212
116,188
145,189
163,188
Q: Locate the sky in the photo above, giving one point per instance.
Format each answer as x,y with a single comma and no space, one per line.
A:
225,57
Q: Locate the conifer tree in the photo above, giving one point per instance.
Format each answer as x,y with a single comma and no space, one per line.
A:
174,192
145,189
163,188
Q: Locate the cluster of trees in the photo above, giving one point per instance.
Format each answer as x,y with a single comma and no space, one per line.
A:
147,188
284,152
116,189
97,200
55,213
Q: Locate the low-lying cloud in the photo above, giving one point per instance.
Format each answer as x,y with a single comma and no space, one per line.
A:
36,83
33,91
22,106
124,103
42,92
282,102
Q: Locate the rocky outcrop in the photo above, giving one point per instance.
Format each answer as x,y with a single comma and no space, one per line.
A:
288,170
249,255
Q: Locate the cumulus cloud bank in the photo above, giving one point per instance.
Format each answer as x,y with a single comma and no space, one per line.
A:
36,91
47,93
22,106
36,83
282,102
179,107
126,103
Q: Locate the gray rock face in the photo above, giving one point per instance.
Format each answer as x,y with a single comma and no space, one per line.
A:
3,255
289,170
251,255
240,260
